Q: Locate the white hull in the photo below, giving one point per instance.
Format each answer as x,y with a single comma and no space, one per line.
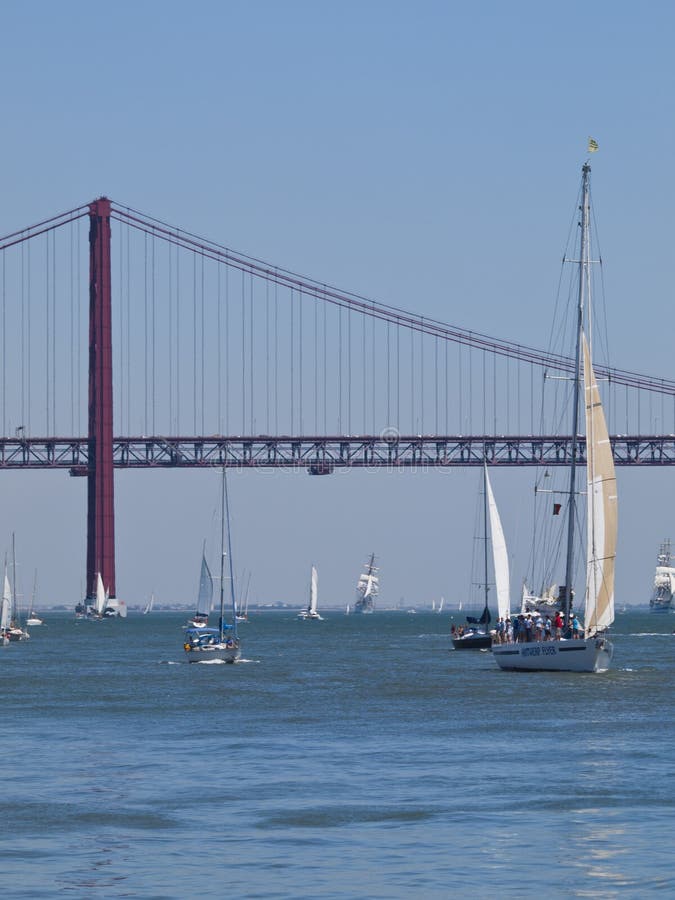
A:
587,655
215,652
33,620
310,615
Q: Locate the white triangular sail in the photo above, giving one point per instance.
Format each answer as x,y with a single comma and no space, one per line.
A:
205,595
440,607
313,591
100,595
499,554
602,513
5,610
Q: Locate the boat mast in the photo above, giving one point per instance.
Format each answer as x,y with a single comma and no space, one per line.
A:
15,607
485,541
226,514
584,266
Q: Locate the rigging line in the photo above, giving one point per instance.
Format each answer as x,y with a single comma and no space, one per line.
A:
316,367
48,343
4,344
388,374
194,343
421,382
447,389
37,229
54,344
219,366
178,379
494,391
153,319
26,418
276,358
325,369
339,369
372,359
349,372
145,334
300,343
251,354
364,323
202,353
436,385
227,350
72,337
292,362
170,335
128,327
79,341
398,377
267,357
243,353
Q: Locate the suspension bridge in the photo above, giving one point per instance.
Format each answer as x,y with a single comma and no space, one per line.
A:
195,355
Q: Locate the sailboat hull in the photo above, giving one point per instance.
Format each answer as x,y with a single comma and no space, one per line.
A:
220,652
477,641
587,655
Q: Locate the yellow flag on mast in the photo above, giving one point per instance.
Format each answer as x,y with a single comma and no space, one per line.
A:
592,145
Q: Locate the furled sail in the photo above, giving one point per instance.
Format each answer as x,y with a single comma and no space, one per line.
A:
602,513
205,596
499,554
5,611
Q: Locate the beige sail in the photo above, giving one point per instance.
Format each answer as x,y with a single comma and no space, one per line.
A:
602,514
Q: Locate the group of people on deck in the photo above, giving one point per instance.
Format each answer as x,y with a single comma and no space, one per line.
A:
536,626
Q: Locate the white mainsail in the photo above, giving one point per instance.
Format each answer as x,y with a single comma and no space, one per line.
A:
205,595
313,591
100,595
5,611
602,513
500,555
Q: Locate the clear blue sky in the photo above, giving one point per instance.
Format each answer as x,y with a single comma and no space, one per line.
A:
424,154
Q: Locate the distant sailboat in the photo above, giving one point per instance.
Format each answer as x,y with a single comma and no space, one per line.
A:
5,611
33,618
311,612
14,631
149,605
367,588
440,605
473,638
204,644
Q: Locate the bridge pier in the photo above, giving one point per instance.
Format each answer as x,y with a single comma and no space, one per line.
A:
100,478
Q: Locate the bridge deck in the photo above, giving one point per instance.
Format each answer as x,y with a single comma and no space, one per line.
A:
321,455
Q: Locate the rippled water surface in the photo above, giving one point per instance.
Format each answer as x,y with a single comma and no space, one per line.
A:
354,757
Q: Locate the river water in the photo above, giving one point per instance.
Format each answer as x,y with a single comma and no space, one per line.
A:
354,757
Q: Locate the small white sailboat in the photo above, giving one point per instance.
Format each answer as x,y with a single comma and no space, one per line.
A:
203,644
348,609
472,637
14,631
242,608
33,618
147,609
367,588
311,612
440,605
584,649
204,596
5,611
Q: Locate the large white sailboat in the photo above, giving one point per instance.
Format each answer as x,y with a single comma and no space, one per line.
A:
472,636
664,581
311,612
5,611
587,650
221,644
367,588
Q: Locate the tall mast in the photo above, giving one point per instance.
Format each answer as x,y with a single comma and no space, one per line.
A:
222,557
584,271
226,509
